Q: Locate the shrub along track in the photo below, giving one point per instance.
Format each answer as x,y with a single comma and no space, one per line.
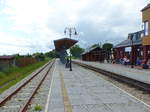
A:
20,98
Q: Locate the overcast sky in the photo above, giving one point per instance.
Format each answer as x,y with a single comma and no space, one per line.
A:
28,26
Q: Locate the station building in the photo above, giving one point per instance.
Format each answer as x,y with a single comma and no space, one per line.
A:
133,41
146,38
138,42
93,54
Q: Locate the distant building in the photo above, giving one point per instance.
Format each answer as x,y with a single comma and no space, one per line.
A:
6,62
93,54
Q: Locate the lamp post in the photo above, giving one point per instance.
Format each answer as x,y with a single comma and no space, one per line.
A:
131,38
71,31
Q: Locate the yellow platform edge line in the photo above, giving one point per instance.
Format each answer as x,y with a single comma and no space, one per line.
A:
66,101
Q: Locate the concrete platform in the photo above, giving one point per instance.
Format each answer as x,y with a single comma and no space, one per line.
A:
82,91
140,75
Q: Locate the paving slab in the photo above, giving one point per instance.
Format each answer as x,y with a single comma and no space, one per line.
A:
140,75
82,90
55,103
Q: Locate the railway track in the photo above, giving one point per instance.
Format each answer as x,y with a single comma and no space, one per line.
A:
20,99
133,82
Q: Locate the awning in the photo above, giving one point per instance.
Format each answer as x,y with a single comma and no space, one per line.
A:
64,43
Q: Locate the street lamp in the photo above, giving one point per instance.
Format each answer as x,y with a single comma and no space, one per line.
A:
131,38
71,31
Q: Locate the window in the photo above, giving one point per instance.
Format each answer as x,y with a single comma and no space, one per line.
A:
146,28
142,34
134,37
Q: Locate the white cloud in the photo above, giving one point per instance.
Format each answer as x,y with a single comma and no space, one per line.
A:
32,25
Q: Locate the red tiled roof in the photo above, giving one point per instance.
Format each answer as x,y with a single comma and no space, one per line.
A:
6,57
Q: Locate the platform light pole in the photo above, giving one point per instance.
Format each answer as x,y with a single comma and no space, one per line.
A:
71,31
131,38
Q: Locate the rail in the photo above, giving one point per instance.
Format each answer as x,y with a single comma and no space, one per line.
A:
25,106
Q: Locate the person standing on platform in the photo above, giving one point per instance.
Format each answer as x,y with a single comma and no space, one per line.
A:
67,63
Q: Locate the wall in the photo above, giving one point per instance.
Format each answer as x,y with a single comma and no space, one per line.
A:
146,17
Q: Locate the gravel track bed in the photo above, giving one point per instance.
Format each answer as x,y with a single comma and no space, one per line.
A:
19,99
41,96
139,94
11,89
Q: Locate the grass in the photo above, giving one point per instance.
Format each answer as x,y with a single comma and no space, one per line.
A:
13,75
37,107
75,57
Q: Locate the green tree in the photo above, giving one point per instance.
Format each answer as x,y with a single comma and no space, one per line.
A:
52,54
76,51
39,56
95,45
17,56
28,55
107,46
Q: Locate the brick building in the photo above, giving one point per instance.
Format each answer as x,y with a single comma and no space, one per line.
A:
139,42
